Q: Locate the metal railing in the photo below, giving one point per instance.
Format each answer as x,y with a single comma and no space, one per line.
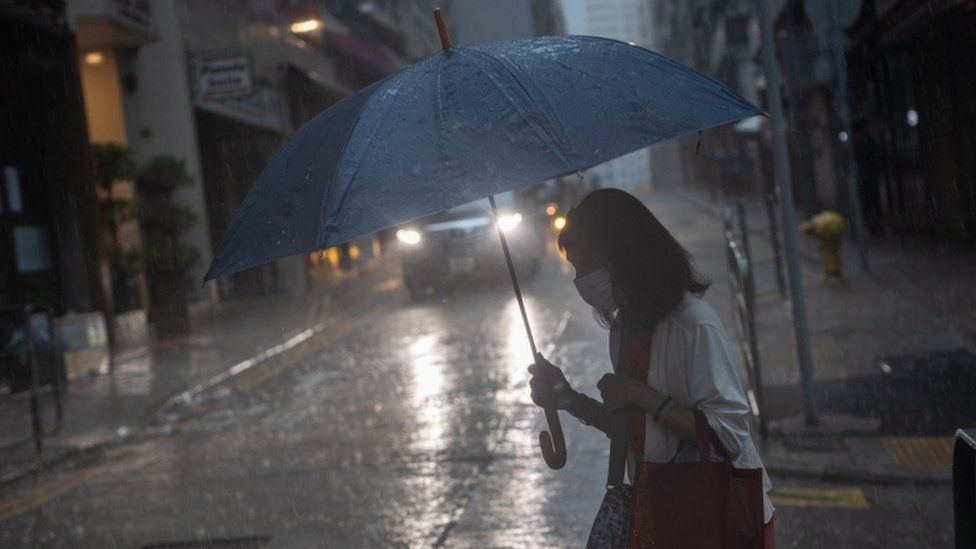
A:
964,487
32,365
743,292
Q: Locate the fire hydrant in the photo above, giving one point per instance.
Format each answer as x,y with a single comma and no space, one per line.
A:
828,228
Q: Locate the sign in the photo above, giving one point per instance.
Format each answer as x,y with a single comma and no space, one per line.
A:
824,15
31,249
134,13
263,108
221,74
15,200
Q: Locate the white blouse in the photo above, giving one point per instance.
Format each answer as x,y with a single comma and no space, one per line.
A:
693,361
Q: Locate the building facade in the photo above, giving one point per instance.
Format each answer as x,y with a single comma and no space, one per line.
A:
628,21
912,89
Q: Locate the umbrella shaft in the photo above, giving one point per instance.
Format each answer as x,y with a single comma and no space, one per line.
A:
511,272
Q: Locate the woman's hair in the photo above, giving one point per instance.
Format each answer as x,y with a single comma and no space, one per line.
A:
648,266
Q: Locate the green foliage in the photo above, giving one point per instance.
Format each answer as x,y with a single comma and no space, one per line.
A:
162,176
111,161
162,220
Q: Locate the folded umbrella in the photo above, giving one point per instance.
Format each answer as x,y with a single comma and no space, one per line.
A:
467,123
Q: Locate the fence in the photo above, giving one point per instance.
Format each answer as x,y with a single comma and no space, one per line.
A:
964,487
744,297
32,365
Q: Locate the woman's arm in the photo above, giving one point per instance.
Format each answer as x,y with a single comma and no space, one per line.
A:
589,411
619,391
680,419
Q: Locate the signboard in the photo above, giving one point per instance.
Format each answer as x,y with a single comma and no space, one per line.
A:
825,15
31,248
264,108
134,13
221,74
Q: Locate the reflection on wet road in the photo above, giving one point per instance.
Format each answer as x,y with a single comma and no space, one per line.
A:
414,430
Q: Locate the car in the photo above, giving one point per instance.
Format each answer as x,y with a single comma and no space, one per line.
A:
459,245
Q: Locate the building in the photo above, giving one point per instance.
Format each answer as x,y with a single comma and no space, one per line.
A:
222,85
474,21
627,21
912,89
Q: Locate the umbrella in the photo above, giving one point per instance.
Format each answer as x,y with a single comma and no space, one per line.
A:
467,123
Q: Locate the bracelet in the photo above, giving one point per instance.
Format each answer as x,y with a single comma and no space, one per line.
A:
664,408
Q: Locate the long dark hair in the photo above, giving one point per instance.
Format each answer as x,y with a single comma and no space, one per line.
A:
648,266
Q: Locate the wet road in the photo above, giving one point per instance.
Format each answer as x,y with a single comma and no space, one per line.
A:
408,426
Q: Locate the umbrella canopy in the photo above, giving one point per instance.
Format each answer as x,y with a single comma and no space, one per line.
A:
467,123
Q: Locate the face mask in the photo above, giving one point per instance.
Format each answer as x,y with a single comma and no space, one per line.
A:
596,289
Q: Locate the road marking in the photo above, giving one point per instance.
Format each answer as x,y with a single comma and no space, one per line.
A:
234,373
798,496
920,452
40,495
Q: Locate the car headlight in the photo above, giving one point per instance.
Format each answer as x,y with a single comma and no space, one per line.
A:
559,223
408,236
508,222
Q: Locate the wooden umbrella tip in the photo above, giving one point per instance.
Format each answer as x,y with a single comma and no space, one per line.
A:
442,29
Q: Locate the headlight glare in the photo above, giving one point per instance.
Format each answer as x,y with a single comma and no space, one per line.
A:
408,236
508,222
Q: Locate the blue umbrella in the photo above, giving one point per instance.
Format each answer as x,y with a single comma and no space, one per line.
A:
467,123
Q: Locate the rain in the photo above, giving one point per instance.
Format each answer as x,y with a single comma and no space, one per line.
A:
460,273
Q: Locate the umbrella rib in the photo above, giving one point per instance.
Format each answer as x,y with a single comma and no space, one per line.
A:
554,144
325,230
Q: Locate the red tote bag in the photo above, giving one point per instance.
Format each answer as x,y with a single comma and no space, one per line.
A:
700,504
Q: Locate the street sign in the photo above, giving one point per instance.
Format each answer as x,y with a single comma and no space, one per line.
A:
221,74
825,14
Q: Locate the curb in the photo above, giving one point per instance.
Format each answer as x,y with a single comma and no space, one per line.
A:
157,423
840,473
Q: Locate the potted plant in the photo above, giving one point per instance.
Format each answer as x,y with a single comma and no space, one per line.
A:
164,258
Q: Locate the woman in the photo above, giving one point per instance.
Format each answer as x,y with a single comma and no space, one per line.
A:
639,280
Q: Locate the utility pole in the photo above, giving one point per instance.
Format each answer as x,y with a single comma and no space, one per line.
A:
781,168
829,19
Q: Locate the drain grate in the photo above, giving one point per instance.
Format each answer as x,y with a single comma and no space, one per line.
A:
248,542
920,452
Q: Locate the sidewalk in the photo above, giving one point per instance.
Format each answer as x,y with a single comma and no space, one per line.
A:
227,338
874,425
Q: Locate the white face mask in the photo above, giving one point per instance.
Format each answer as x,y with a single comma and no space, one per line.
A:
596,289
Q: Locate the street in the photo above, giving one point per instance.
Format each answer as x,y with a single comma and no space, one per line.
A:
409,425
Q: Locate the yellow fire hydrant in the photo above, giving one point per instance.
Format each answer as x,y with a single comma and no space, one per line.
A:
828,228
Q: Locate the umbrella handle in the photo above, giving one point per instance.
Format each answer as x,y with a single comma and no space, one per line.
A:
553,446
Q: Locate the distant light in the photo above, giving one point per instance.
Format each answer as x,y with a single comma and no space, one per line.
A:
94,58
408,236
367,7
632,43
559,223
911,117
843,137
305,26
508,222
551,209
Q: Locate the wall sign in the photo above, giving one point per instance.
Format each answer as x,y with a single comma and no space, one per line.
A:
31,248
221,74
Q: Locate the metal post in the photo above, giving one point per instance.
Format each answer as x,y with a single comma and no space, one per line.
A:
836,43
769,198
35,406
782,172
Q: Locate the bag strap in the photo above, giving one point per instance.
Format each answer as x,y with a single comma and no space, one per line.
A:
705,435
619,424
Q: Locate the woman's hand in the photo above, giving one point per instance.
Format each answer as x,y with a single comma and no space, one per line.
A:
549,386
618,391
